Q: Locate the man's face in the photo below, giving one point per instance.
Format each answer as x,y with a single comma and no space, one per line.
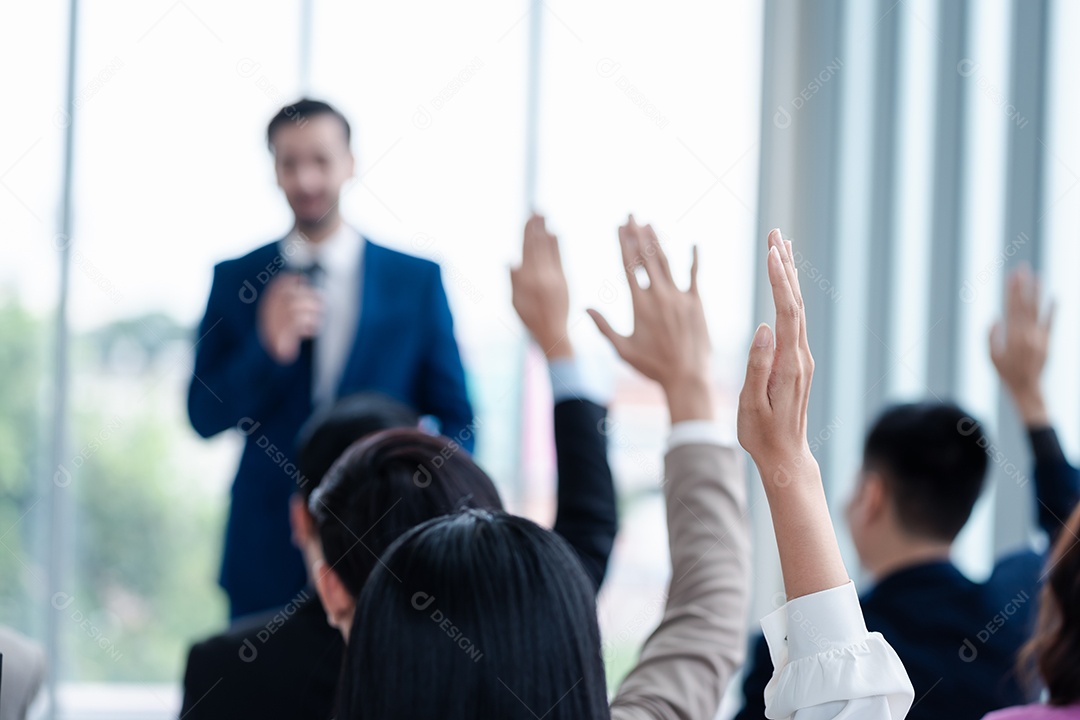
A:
312,161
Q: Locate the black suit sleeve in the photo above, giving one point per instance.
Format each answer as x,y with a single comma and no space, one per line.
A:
587,516
1057,482
198,683
759,671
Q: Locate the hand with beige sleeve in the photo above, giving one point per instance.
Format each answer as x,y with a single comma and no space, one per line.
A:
688,661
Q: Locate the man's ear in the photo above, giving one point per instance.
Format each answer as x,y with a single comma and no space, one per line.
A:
300,520
277,169
336,600
875,500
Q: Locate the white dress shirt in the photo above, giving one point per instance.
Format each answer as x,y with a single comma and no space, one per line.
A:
827,665
340,256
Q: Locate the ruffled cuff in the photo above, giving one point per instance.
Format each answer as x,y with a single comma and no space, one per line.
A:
822,653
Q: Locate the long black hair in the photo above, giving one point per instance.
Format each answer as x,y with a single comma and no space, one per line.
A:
385,484
473,616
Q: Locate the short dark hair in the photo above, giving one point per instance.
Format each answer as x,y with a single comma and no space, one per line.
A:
300,112
386,484
1053,649
329,433
933,458
476,615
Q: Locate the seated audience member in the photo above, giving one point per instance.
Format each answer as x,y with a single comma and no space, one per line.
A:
369,500
21,676
299,654
481,614
285,663
923,469
1053,654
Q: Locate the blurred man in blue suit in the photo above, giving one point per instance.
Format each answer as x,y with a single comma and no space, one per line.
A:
299,322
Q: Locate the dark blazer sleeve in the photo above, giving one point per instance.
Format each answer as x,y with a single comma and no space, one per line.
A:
233,378
587,514
759,671
201,676
442,377
1057,482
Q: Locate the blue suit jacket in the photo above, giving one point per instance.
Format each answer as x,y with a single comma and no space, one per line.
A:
404,347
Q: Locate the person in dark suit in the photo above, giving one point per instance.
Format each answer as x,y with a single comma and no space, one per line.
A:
295,324
286,662
923,469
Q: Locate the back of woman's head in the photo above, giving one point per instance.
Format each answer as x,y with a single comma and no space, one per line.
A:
476,615
1054,651
385,484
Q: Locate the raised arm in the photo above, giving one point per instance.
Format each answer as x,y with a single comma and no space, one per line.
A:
688,661
586,514
827,664
1019,345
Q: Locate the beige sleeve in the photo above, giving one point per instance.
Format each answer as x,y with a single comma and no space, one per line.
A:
687,662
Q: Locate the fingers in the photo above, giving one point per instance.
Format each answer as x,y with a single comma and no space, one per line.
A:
616,339
1022,301
306,310
546,245
553,248
656,262
795,272
788,312
539,247
628,242
787,257
793,275
1015,312
1031,293
534,230
1048,319
787,261
693,272
646,252
758,368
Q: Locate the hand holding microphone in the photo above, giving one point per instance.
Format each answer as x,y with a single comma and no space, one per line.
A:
291,311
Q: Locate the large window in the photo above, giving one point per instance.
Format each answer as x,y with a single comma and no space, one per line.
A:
646,110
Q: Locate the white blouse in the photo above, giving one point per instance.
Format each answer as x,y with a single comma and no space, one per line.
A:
827,665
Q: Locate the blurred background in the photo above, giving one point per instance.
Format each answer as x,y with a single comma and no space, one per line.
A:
914,150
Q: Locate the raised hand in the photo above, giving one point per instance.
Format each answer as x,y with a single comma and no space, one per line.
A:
539,290
1019,346
774,398
772,428
670,341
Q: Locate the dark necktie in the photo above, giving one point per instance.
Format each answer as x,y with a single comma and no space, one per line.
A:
315,276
